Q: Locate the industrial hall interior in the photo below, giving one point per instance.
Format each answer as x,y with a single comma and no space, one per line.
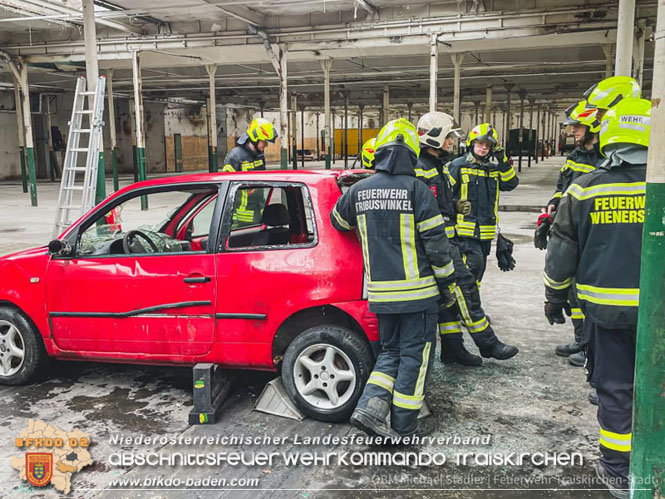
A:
399,247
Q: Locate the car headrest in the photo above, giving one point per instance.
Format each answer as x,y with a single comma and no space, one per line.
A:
275,215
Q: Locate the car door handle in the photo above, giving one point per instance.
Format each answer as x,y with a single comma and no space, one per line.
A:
195,280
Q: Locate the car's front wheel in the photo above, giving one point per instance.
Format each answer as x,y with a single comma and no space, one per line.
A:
22,354
325,370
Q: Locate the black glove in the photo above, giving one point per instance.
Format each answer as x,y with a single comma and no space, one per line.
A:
504,253
542,231
463,206
500,154
448,296
554,312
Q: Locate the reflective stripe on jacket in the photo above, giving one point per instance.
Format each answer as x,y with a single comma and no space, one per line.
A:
579,162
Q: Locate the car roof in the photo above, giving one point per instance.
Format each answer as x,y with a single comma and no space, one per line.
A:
304,176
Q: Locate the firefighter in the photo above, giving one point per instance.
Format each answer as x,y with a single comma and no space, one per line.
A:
367,154
582,121
437,131
478,177
408,271
247,156
596,240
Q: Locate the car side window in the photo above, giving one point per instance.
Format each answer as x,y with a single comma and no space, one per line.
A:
282,217
130,229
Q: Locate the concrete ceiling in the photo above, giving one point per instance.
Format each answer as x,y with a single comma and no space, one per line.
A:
553,49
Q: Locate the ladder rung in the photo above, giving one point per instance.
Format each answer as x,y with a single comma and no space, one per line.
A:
70,207
77,169
79,149
85,111
87,93
73,188
84,130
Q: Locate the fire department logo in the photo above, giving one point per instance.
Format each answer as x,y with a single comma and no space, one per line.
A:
39,468
433,189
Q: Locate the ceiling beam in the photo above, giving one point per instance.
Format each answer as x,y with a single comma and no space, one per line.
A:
244,14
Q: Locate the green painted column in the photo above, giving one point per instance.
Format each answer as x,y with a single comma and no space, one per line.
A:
177,145
214,162
24,173
30,153
100,192
135,163
647,460
140,157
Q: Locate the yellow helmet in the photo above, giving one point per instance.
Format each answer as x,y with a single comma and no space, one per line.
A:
607,93
582,114
367,154
484,131
261,129
400,132
628,122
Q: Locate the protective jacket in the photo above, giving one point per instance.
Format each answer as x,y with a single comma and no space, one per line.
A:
430,170
479,181
242,159
579,162
405,248
596,239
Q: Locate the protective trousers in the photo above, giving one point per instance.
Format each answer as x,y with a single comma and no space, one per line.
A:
468,307
576,315
611,366
476,252
402,370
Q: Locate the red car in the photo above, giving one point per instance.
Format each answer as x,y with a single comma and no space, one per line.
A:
242,270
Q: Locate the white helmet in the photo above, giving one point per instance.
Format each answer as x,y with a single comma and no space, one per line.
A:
433,128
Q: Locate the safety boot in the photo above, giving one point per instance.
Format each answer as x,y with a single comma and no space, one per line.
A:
593,397
499,351
373,419
568,349
577,359
617,486
453,352
426,426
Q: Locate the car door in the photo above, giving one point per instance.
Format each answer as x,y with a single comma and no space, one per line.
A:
143,304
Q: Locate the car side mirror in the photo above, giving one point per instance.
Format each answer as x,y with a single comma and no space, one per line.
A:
59,248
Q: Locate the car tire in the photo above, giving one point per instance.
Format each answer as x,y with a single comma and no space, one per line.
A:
22,354
321,362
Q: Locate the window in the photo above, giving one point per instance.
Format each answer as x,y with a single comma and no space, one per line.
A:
275,215
177,220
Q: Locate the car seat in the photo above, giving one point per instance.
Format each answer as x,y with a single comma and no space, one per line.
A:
276,219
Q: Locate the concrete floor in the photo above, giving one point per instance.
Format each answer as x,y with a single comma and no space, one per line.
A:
535,402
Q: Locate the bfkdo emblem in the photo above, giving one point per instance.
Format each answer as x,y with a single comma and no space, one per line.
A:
39,468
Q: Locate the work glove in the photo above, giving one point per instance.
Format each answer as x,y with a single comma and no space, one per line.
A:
448,296
500,154
504,253
554,312
463,206
542,231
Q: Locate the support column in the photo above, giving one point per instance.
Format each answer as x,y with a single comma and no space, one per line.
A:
346,131
409,106
638,51
386,104
361,108
262,107
112,130
138,117
92,73
213,165
294,130
625,33
132,126
332,135
21,133
520,137
457,63
476,111
539,130
532,139
506,133
302,135
488,104
326,65
648,453
51,160
27,124
316,136
283,109
433,71
543,132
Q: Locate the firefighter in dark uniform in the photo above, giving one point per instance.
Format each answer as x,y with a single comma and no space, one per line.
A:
408,272
582,121
478,178
437,131
247,156
596,239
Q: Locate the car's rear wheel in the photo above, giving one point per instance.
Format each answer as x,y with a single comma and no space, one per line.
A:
22,354
325,370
